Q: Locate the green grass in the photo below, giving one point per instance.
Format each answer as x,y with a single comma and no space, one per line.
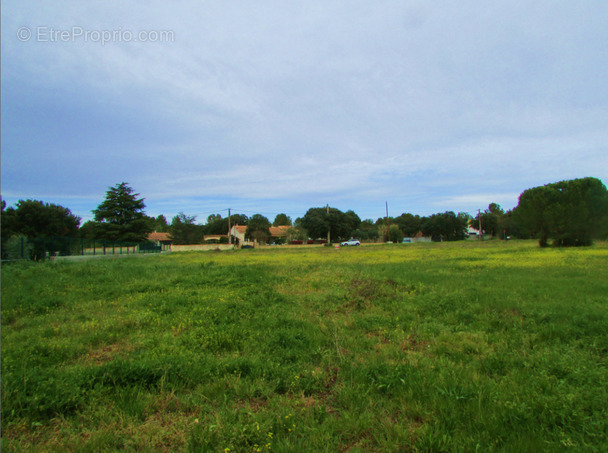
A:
426,347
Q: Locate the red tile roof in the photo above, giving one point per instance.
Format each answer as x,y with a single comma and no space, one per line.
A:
279,230
274,231
163,237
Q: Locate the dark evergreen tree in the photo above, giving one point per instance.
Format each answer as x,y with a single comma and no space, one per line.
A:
160,224
121,215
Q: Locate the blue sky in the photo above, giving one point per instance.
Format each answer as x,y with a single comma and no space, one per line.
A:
272,107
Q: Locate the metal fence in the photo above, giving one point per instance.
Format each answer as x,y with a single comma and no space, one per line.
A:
22,247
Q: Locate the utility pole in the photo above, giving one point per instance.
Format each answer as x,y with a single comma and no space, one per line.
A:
480,227
229,228
388,224
328,227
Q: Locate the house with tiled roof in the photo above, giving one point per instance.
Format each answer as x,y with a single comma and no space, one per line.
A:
279,231
238,231
161,239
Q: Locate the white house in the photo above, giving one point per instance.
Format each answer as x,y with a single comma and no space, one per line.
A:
238,231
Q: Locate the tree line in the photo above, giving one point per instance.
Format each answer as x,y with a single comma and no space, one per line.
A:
571,213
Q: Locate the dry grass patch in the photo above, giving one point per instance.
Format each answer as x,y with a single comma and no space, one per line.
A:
107,353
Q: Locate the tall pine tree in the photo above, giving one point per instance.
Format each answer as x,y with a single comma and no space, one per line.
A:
121,216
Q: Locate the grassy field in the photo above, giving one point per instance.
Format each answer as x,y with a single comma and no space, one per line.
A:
424,347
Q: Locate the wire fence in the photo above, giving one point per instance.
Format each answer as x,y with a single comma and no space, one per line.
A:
24,248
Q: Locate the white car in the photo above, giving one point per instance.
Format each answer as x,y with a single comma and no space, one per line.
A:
350,242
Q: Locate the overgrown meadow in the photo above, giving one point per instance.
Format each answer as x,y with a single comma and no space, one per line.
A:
424,347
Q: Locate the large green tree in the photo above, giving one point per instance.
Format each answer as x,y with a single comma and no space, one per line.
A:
47,226
281,219
218,225
160,224
7,220
391,232
34,218
258,228
318,222
509,226
184,230
121,216
354,221
570,212
367,231
445,226
491,220
409,224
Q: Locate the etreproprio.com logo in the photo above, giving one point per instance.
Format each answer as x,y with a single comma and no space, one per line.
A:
81,34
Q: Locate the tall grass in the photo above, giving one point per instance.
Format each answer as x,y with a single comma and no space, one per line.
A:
428,347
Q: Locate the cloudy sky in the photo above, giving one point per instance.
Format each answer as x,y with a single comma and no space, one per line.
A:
272,106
